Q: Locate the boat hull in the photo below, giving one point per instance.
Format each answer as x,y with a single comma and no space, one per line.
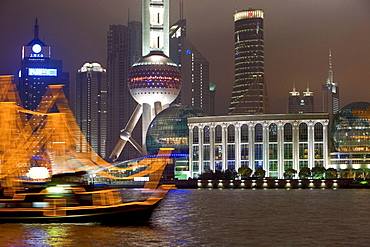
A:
106,206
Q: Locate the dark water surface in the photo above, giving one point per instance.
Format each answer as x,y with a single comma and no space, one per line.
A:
222,218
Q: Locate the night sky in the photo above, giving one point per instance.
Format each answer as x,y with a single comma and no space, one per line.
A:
298,37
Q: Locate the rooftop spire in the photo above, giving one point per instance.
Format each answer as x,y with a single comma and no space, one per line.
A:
36,30
294,92
308,92
330,80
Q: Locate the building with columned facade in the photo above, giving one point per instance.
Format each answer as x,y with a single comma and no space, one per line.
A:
274,142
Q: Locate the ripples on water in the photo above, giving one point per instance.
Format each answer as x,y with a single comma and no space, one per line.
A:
222,218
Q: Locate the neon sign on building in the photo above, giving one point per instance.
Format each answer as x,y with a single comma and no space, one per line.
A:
42,72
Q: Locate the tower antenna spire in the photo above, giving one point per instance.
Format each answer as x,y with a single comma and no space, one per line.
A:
36,30
330,79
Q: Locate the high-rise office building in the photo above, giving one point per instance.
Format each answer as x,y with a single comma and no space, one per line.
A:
249,94
304,104
194,69
91,106
330,92
38,71
124,49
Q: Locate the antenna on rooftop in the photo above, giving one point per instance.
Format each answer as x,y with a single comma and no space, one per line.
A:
181,9
36,30
128,16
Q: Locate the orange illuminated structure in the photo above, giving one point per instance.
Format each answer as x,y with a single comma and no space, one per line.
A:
50,140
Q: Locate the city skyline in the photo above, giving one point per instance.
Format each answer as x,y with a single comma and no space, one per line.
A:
298,38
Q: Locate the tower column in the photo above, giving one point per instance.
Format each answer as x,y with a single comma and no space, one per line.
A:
157,107
146,119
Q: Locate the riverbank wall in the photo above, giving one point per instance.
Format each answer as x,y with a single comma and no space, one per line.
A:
271,184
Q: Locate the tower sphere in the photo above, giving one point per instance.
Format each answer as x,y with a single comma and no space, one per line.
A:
153,78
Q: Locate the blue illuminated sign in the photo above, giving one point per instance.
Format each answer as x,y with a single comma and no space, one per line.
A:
42,72
36,55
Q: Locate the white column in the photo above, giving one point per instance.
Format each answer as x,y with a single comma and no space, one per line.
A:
280,139
265,133
212,146
224,146
311,146
237,145
191,133
251,145
200,138
326,143
295,131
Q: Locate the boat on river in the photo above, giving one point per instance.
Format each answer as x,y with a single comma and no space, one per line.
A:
41,149
62,199
75,204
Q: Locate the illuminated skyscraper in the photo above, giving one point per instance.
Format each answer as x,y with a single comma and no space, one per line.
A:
124,49
194,69
330,92
91,106
249,94
38,71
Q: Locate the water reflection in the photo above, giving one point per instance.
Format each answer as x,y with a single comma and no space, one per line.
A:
222,218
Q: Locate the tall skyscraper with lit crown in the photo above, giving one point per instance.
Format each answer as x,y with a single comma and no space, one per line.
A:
249,94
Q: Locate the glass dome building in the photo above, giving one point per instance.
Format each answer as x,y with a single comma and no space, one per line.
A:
351,128
351,137
170,129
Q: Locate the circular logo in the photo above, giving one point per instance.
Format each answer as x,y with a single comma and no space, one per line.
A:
36,48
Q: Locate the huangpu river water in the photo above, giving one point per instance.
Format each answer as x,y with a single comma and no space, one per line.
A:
203,217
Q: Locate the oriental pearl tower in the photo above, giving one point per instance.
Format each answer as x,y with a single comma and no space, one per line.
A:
154,80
